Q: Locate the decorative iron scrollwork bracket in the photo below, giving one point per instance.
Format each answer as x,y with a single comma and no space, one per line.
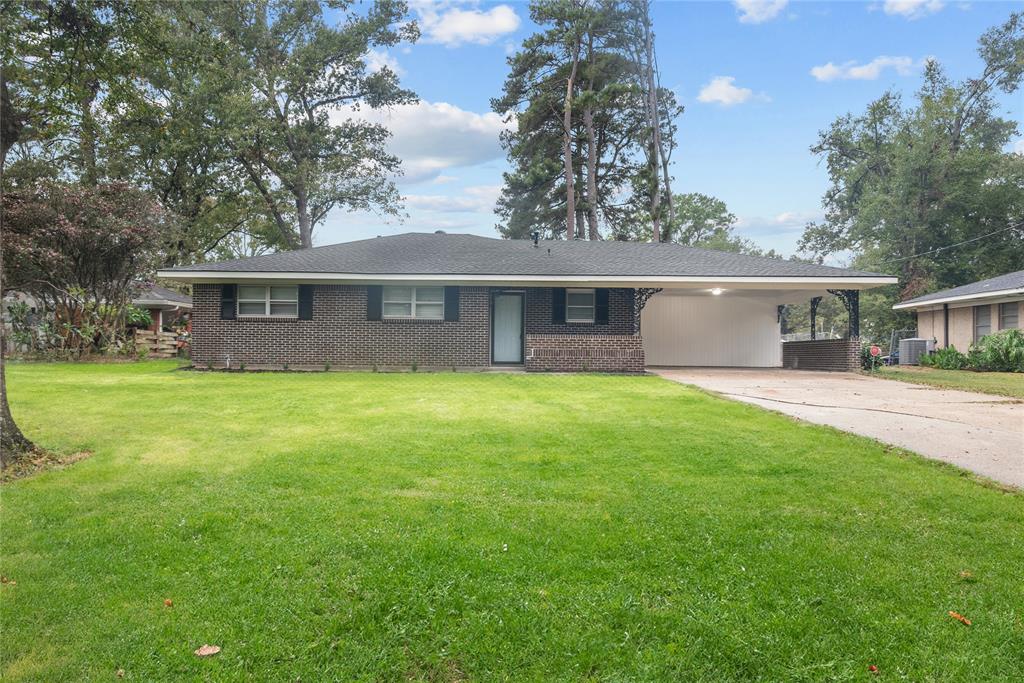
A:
640,297
851,302
814,316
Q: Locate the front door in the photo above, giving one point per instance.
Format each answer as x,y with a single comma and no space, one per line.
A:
507,328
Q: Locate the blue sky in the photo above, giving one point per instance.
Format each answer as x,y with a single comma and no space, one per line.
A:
758,80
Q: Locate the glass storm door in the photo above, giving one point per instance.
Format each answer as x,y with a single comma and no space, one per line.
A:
507,328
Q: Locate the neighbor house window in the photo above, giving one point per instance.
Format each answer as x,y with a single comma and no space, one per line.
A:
982,321
579,305
419,303
1008,316
278,301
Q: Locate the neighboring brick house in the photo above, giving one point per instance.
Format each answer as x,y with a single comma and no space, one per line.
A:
164,305
961,316
463,301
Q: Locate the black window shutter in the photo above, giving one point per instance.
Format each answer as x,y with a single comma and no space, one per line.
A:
451,304
558,305
228,299
374,302
601,306
305,302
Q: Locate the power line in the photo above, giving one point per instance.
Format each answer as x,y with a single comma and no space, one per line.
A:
952,246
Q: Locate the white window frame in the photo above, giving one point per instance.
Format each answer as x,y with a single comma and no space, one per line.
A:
593,306
267,301
1015,307
978,309
413,302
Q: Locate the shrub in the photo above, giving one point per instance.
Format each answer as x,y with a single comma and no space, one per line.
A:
866,360
946,359
999,352
137,317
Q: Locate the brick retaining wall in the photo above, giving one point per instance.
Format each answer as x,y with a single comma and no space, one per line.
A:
584,353
835,355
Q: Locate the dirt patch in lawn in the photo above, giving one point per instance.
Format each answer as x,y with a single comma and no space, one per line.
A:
39,461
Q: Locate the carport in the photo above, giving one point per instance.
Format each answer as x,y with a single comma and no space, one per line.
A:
739,324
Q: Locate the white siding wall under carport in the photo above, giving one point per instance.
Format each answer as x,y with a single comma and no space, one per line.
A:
696,328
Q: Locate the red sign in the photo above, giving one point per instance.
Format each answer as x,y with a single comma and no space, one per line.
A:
875,351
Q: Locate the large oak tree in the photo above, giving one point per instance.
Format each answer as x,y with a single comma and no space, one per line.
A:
928,192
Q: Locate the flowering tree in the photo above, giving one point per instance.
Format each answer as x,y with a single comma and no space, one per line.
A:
81,250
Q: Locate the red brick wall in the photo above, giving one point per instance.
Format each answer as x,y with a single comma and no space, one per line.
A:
584,353
836,355
340,334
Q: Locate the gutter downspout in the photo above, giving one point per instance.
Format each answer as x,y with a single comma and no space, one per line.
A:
945,326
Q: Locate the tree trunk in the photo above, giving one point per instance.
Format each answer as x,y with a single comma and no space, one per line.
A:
588,123
305,225
87,136
13,443
666,181
652,108
570,186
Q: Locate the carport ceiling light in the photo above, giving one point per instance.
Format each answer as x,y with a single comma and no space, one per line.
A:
717,290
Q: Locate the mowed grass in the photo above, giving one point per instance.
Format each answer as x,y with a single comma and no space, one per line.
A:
998,383
452,527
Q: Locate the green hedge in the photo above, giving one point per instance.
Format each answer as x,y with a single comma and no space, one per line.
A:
999,352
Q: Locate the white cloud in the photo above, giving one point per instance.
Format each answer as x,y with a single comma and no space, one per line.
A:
1017,147
912,9
432,137
863,72
721,90
759,11
475,199
453,26
785,222
378,59
781,232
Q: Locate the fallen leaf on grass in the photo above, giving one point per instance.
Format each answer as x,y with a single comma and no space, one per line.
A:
120,673
5,580
168,603
959,617
207,650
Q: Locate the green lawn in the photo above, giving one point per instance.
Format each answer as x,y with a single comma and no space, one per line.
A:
449,527
999,383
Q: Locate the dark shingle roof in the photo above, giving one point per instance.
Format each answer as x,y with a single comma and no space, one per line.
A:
460,254
979,288
158,293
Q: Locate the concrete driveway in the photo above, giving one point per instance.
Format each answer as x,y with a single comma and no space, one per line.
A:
979,432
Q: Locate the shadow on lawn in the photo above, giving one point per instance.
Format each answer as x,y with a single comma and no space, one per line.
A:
39,461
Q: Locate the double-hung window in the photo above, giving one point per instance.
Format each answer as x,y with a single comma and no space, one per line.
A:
579,306
272,301
1008,319
415,303
982,321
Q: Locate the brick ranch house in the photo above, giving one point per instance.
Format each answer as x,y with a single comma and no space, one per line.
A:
463,301
962,315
